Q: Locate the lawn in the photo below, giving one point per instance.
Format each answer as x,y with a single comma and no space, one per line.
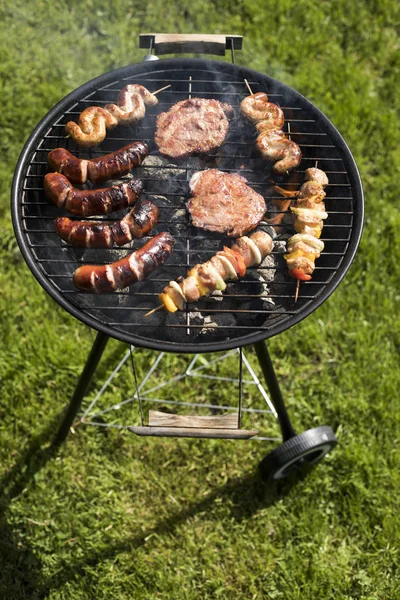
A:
113,516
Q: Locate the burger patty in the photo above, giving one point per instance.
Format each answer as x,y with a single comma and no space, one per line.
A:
224,203
192,126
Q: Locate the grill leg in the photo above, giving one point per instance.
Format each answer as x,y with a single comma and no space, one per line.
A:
81,387
273,385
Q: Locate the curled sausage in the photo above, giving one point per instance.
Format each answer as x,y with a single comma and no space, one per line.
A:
134,267
265,114
98,234
274,145
94,121
116,164
87,203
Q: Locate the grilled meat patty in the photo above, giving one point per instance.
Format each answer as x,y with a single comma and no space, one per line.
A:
192,126
224,203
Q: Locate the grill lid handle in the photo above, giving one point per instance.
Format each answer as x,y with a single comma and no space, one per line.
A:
172,43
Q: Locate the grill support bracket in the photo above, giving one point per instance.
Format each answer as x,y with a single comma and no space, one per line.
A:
295,453
275,402
82,386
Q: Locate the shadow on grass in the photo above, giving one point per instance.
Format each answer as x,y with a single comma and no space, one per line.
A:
21,570
245,496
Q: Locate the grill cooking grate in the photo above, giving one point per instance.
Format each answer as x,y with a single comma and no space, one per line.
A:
261,304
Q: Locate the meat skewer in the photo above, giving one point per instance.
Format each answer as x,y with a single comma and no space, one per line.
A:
116,164
272,143
98,234
123,273
87,203
309,210
94,121
228,264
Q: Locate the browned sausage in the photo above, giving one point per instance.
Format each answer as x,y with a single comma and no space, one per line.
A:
94,121
87,203
116,164
99,234
274,145
128,270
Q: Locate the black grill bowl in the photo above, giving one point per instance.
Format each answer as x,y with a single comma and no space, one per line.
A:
259,306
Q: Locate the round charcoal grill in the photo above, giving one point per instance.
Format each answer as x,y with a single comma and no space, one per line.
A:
263,303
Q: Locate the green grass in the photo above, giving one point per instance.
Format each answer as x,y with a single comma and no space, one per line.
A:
115,517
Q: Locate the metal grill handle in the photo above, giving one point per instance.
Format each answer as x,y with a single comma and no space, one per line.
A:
171,43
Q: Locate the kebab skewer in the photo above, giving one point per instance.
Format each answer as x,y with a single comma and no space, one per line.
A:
272,142
309,210
228,264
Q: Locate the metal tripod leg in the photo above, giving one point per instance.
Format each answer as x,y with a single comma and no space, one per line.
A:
273,385
84,380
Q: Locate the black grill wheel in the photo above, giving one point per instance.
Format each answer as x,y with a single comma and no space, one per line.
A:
307,448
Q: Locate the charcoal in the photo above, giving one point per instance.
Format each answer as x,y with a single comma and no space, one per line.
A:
263,226
219,326
251,318
216,296
178,334
252,284
267,270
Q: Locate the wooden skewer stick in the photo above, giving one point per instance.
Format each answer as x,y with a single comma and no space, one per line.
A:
248,87
160,90
296,295
153,310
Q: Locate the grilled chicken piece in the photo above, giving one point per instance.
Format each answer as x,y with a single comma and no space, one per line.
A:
306,243
316,175
301,267
224,203
195,125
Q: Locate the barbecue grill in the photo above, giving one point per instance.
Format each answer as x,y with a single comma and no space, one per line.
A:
257,307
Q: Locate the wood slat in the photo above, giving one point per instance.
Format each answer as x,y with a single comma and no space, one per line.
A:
194,432
162,419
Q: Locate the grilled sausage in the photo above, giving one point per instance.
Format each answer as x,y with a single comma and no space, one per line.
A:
274,145
116,164
265,114
94,121
98,234
271,142
87,203
92,126
134,267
